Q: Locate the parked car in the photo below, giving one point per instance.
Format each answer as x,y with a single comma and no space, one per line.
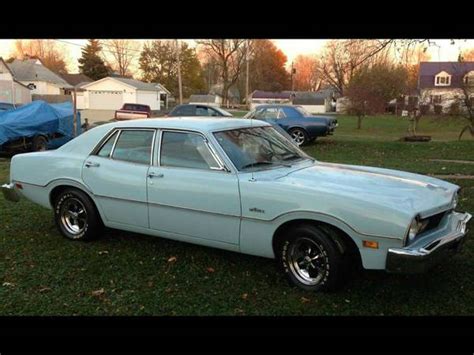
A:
133,112
198,110
5,106
302,126
240,185
37,126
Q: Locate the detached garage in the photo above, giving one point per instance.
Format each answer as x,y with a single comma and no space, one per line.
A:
111,93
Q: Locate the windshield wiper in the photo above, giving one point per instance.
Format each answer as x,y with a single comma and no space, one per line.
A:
251,165
291,157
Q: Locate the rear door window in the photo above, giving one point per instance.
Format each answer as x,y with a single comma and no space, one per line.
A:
134,146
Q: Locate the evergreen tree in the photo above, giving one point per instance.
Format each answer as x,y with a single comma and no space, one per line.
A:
91,64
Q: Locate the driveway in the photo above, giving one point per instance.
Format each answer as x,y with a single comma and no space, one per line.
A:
94,116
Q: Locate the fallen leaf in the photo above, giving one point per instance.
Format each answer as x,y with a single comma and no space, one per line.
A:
305,300
44,289
8,284
210,269
98,293
348,301
172,259
244,296
103,252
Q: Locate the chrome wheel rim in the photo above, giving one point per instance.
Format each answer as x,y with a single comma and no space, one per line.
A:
298,136
307,261
73,216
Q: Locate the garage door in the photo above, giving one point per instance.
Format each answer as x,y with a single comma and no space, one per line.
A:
105,100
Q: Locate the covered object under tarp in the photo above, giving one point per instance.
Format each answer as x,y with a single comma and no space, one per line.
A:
39,118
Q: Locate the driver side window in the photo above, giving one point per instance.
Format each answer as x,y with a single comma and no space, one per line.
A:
186,150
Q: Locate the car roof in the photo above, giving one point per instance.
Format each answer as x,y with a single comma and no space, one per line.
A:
274,105
196,123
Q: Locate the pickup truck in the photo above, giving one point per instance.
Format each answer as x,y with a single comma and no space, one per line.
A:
133,112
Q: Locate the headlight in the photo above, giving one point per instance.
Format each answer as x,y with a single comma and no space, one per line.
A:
414,229
454,203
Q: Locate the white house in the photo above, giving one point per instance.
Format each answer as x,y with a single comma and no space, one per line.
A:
41,80
11,90
111,93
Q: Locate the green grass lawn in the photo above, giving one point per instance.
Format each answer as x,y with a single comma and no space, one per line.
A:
129,274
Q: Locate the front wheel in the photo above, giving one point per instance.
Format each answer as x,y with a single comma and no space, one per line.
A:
310,259
76,216
299,136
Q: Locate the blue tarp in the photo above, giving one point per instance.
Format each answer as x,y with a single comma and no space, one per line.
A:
39,117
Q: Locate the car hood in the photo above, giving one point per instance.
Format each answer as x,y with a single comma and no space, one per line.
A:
402,191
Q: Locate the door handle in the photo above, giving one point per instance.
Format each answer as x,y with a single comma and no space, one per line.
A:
155,175
90,164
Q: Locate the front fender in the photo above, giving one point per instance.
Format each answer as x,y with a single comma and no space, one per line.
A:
257,236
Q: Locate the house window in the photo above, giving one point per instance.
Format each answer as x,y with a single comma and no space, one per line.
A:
469,78
435,99
443,79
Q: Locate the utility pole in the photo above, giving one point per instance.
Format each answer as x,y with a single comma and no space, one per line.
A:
293,71
178,50
75,113
247,100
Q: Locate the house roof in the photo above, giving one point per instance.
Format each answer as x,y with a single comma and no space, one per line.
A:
76,79
428,70
202,98
433,68
259,94
137,84
13,75
31,70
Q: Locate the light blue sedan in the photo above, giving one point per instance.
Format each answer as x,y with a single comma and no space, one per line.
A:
240,185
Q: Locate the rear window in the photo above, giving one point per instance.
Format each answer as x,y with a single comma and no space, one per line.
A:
183,111
135,107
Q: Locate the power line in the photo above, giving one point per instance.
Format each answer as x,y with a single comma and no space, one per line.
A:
103,44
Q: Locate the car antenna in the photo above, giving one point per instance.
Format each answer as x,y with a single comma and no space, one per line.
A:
252,179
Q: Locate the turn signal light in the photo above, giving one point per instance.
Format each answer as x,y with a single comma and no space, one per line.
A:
370,244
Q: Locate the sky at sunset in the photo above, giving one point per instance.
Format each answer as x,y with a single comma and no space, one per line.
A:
442,51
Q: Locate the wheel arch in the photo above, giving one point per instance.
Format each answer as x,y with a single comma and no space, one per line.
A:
58,186
342,238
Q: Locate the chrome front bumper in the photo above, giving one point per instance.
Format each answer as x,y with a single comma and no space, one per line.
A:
419,258
10,193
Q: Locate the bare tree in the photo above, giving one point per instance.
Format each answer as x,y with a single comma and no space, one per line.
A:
307,77
229,56
123,53
53,55
466,101
342,58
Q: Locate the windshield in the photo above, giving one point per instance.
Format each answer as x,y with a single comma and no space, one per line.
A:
258,147
223,112
303,111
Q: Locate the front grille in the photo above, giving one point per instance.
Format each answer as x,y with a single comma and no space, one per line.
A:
434,221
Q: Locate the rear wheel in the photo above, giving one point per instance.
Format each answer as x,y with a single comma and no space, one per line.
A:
76,216
310,258
299,136
39,144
